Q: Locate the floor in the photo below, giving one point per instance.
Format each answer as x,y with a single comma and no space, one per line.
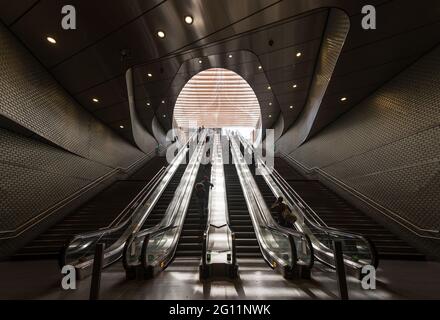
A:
396,280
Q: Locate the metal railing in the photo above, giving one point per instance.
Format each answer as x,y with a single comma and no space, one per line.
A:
407,224
74,248
10,234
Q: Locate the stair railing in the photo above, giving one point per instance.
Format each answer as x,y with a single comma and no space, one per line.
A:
407,224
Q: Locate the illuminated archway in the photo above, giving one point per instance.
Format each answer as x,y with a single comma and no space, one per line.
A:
218,98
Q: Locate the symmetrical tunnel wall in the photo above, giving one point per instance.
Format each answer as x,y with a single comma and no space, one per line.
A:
73,148
387,150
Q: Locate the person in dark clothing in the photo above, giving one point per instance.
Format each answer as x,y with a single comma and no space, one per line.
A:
201,198
207,185
285,216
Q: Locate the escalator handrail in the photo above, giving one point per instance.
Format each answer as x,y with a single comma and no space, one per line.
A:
130,208
157,229
325,229
99,234
121,217
332,232
275,228
176,208
145,192
154,230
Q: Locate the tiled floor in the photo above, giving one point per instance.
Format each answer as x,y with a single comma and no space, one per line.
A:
396,280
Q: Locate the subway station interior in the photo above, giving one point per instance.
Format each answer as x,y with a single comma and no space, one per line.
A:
230,149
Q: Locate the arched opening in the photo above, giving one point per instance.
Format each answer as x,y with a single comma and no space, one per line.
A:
218,98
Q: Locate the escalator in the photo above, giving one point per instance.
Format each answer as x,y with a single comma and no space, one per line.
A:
240,222
190,242
338,213
162,204
98,212
149,250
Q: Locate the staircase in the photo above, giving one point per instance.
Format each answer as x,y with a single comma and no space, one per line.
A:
240,222
338,213
97,213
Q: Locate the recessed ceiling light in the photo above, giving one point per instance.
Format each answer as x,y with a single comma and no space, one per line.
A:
270,116
149,75
164,115
163,101
260,67
200,61
268,88
299,54
95,100
122,127
189,19
148,104
51,40
270,103
161,34
294,86
343,99
230,56
291,107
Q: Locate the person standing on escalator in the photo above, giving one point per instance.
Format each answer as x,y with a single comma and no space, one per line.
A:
286,218
201,198
207,185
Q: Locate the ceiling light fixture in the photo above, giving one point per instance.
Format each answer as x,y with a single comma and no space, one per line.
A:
95,100
161,34
164,115
148,104
51,40
189,19
122,127
163,101
270,103
299,54
291,107
270,116
230,56
149,75
200,61
268,88
343,99
260,67
294,86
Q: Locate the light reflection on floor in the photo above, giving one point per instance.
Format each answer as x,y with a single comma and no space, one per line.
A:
41,280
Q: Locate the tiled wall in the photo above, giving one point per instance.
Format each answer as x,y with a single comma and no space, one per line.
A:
70,148
388,149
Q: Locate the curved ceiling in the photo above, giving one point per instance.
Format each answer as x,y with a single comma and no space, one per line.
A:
87,62
217,98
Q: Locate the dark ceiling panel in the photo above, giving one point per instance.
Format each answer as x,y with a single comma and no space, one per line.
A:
394,17
95,20
345,84
113,114
10,11
108,94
